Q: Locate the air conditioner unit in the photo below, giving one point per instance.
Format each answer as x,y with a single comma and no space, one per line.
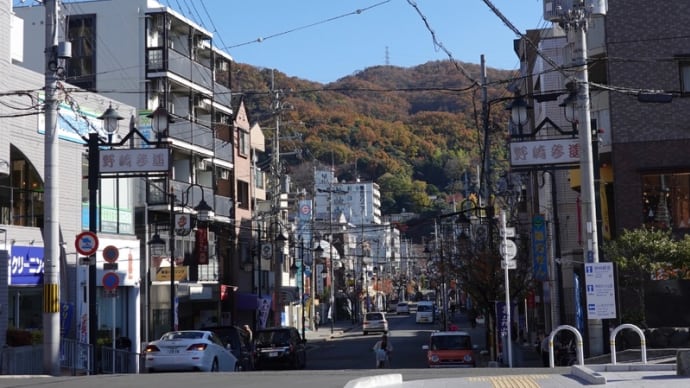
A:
202,104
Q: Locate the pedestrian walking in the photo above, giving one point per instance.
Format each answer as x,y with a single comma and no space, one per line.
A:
317,321
383,350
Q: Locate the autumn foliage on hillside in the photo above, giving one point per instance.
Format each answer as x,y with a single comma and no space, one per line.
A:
416,131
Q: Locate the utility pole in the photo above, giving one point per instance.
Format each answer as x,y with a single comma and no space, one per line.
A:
51,279
276,211
486,169
575,23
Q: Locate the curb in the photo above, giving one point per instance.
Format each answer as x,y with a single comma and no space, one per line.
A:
375,381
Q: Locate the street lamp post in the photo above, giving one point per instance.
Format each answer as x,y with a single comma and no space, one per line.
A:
332,301
204,214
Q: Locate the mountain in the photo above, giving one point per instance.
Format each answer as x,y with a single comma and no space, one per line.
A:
415,131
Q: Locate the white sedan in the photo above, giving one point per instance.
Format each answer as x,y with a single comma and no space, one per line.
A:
197,350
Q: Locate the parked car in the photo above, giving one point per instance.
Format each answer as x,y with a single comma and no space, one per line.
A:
450,349
374,322
198,350
279,347
237,340
402,308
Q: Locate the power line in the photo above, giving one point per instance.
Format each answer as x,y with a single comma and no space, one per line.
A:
355,12
440,45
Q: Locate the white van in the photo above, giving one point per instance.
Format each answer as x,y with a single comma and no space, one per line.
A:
425,312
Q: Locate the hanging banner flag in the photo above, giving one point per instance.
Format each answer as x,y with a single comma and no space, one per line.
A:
202,245
539,259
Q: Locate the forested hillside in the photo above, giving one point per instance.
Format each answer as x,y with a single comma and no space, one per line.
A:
416,131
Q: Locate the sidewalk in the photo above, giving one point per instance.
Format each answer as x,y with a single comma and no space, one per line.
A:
324,332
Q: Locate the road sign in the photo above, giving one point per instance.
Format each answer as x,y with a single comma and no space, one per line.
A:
86,243
512,264
110,254
266,250
508,249
508,232
110,281
600,290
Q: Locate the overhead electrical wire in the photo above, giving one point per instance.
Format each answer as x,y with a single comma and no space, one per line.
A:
264,38
440,45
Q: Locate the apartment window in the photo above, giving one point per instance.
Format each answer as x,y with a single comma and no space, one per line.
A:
243,194
684,74
243,146
81,68
666,200
259,179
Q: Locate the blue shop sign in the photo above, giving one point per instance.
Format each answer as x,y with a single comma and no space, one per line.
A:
26,266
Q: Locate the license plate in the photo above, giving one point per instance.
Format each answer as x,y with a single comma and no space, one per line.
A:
173,351
273,354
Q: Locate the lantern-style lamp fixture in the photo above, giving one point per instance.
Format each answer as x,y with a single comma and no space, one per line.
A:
110,118
157,245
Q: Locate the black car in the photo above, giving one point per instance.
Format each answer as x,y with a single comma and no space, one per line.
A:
279,347
237,339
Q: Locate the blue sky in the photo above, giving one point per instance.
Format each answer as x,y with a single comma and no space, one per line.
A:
324,40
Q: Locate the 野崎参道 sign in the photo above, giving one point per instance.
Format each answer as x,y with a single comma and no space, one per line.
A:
130,160
533,153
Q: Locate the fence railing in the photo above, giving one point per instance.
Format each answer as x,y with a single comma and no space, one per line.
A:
75,358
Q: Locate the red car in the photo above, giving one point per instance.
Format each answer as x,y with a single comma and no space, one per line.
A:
450,349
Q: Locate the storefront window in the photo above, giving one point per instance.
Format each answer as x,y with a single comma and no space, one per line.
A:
666,200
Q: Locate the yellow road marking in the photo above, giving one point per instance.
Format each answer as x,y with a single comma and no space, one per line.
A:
515,381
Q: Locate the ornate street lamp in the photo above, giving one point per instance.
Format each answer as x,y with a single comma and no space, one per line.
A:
204,214
518,114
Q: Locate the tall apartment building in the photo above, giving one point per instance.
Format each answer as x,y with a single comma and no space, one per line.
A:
150,56
354,209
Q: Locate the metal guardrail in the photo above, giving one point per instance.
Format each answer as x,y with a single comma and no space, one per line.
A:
22,360
75,358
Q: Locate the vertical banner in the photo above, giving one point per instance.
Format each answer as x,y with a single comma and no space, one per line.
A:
202,245
579,312
539,259
501,319
263,311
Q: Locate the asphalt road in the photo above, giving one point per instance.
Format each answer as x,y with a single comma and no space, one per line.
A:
335,360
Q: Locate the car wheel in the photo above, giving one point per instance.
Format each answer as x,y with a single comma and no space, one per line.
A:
214,365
